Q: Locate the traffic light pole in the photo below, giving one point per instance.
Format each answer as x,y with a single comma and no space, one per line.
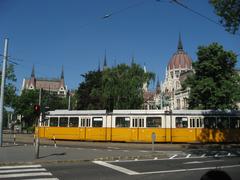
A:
2,89
37,142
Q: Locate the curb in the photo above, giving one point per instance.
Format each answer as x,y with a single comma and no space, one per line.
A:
111,158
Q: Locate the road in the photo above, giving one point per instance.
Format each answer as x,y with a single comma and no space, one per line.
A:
175,169
171,168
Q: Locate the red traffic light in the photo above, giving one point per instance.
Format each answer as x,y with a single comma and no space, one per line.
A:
36,108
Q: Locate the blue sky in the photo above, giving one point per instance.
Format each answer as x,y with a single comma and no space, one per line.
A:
71,33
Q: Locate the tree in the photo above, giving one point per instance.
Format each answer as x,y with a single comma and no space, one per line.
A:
89,93
10,89
215,83
119,87
229,11
24,104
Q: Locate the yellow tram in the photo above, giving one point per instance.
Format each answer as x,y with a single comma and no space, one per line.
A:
191,126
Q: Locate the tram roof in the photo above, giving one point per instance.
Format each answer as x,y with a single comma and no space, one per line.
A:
77,112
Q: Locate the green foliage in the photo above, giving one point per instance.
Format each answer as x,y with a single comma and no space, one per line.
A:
10,89
119,87
24,104
229,11
215,84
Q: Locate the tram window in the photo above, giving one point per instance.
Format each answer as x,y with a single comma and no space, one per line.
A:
85,122
154,122
122,122
210,122
181,122
192,122
137,122
201,122
141,122
222,122
63,122
97,122
234,122
53,121
73,121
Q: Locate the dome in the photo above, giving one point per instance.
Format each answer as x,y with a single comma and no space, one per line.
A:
180,59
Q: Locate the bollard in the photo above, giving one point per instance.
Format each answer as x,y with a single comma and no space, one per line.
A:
54,139
14,139
34,140
153,140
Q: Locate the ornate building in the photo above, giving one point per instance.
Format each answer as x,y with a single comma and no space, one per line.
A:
170,93
179,66
54,85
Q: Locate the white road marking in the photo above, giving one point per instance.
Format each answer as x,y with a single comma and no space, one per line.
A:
200,162
184,170
175,155
203,155
23,166
130,172
188,156
25,175
42,179
113,147
117,168
21,170
144,151
163,159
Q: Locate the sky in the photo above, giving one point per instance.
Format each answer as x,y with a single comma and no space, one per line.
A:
50,34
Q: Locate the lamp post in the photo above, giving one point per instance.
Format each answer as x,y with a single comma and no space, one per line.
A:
2,89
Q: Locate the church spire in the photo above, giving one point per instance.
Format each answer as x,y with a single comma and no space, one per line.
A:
33,72
180,46
105,61
62,73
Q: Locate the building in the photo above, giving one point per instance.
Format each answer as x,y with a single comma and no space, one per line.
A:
170,94
53,85
179,67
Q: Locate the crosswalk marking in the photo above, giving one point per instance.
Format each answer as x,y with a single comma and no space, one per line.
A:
25,175
23,166
21,170
42,179
34,172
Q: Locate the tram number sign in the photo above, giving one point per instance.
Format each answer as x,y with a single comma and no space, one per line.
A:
153,137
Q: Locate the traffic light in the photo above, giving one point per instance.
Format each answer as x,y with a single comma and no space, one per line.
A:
37,110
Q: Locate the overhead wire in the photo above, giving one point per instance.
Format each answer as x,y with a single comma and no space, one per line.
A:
197,13
12,60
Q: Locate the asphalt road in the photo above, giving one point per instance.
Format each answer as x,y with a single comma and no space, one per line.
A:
169,169
165,169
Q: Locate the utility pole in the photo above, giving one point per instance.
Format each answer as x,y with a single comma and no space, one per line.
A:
69,101
5,55
37,142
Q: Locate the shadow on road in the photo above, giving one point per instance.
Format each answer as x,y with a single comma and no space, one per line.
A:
54,154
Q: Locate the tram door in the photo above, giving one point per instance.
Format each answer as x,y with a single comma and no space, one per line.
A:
84,123
137,122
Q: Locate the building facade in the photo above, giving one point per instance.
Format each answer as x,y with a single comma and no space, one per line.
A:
169,94
53,85
179,67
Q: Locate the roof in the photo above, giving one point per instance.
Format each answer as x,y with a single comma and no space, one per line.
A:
46,84
180,60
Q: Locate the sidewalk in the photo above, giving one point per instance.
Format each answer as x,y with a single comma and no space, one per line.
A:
22,151
25,154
